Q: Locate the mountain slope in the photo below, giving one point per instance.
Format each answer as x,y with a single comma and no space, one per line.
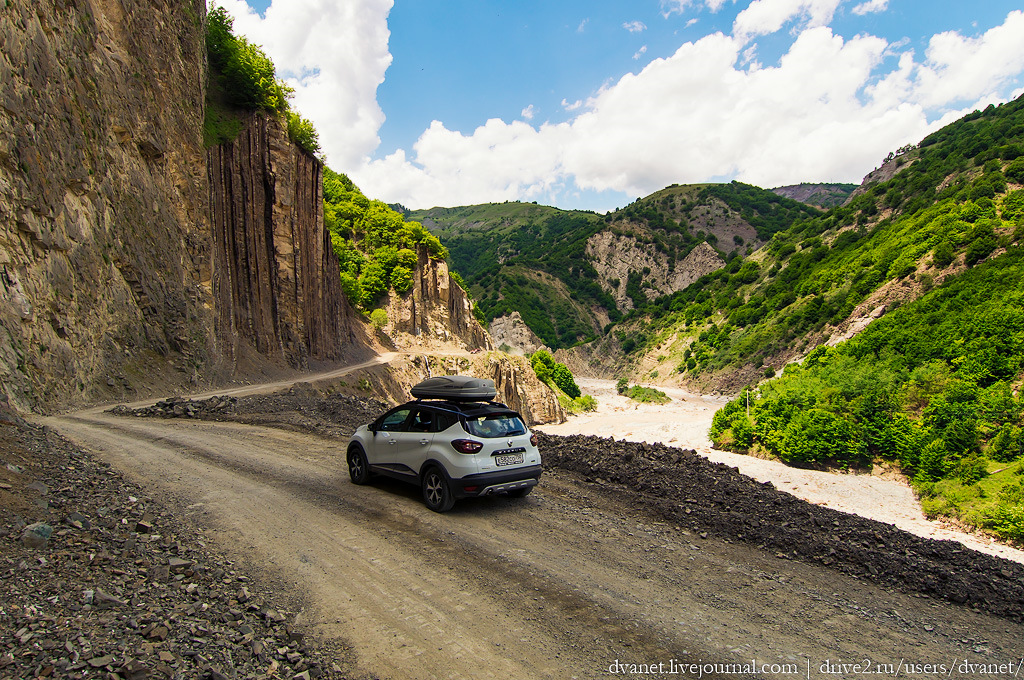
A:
570,273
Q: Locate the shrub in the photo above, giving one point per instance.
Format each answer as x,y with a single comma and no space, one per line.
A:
246,72
819,437
302,132
379,318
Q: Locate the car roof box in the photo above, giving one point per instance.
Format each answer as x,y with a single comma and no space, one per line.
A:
455,388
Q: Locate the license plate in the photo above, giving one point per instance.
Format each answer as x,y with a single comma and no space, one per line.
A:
508,459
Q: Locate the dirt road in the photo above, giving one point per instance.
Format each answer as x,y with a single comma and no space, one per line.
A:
563,584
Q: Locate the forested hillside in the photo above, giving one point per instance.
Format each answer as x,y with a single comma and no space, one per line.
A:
934,384
541,261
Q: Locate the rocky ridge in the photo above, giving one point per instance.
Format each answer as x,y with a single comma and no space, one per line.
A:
713,499
436,308
614,256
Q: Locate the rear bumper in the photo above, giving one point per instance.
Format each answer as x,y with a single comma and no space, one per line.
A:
489,483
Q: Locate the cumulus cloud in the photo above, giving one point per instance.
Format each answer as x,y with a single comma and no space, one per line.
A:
670,7
334,54
640,52
763,17
871,6
635,26
829,109
826,111
963,69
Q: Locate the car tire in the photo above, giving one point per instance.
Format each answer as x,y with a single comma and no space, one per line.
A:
437,495
358,468
520,493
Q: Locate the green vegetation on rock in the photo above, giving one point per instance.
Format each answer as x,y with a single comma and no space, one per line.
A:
376,247
243,79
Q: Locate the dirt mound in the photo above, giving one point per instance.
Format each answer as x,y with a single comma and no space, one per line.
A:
715,499
301,407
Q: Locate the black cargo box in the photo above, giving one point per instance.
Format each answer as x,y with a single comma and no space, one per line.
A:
455,388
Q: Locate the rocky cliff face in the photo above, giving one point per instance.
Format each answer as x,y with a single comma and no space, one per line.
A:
275,282
103,241
519,388
512,331
615,256
127,266
434,309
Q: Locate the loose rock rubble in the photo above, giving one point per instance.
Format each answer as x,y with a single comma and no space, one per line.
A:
100,581
301,406
713,499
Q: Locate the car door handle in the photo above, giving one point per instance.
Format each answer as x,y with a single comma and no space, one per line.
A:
424,441
392,441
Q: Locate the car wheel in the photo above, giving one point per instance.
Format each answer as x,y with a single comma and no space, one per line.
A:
436,494
358,468
520,493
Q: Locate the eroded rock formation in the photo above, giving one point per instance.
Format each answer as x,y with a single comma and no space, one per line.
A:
436,308
512,331
275,282
615,256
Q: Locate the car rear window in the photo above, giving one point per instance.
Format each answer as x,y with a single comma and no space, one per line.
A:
495,425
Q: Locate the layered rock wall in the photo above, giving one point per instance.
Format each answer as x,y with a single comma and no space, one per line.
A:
119,276
275,282
104,248
435,309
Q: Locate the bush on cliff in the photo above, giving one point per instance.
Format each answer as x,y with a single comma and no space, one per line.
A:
244,69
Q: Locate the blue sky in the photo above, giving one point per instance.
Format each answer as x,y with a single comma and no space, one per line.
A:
592,104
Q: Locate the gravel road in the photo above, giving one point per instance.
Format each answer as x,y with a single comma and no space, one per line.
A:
566,583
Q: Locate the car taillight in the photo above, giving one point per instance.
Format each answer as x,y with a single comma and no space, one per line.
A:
466,445
533,439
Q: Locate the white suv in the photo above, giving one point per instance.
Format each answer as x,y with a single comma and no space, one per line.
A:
449,442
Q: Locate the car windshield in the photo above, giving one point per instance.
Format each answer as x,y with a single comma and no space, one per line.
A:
496,425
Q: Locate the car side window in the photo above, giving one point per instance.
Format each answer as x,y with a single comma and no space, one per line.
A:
422,421
395,421
442,421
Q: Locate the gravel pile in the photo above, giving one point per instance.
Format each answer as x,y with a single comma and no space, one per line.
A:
713,499
301,407
100,581
181,407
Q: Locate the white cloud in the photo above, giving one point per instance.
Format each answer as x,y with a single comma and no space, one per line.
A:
959,69
829,109
338,53
582,26
824,112
871,6
763,17
640,52
635,26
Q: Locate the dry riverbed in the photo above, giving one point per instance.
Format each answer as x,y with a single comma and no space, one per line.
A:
685,422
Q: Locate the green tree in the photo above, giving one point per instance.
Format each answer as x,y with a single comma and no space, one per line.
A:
302,132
